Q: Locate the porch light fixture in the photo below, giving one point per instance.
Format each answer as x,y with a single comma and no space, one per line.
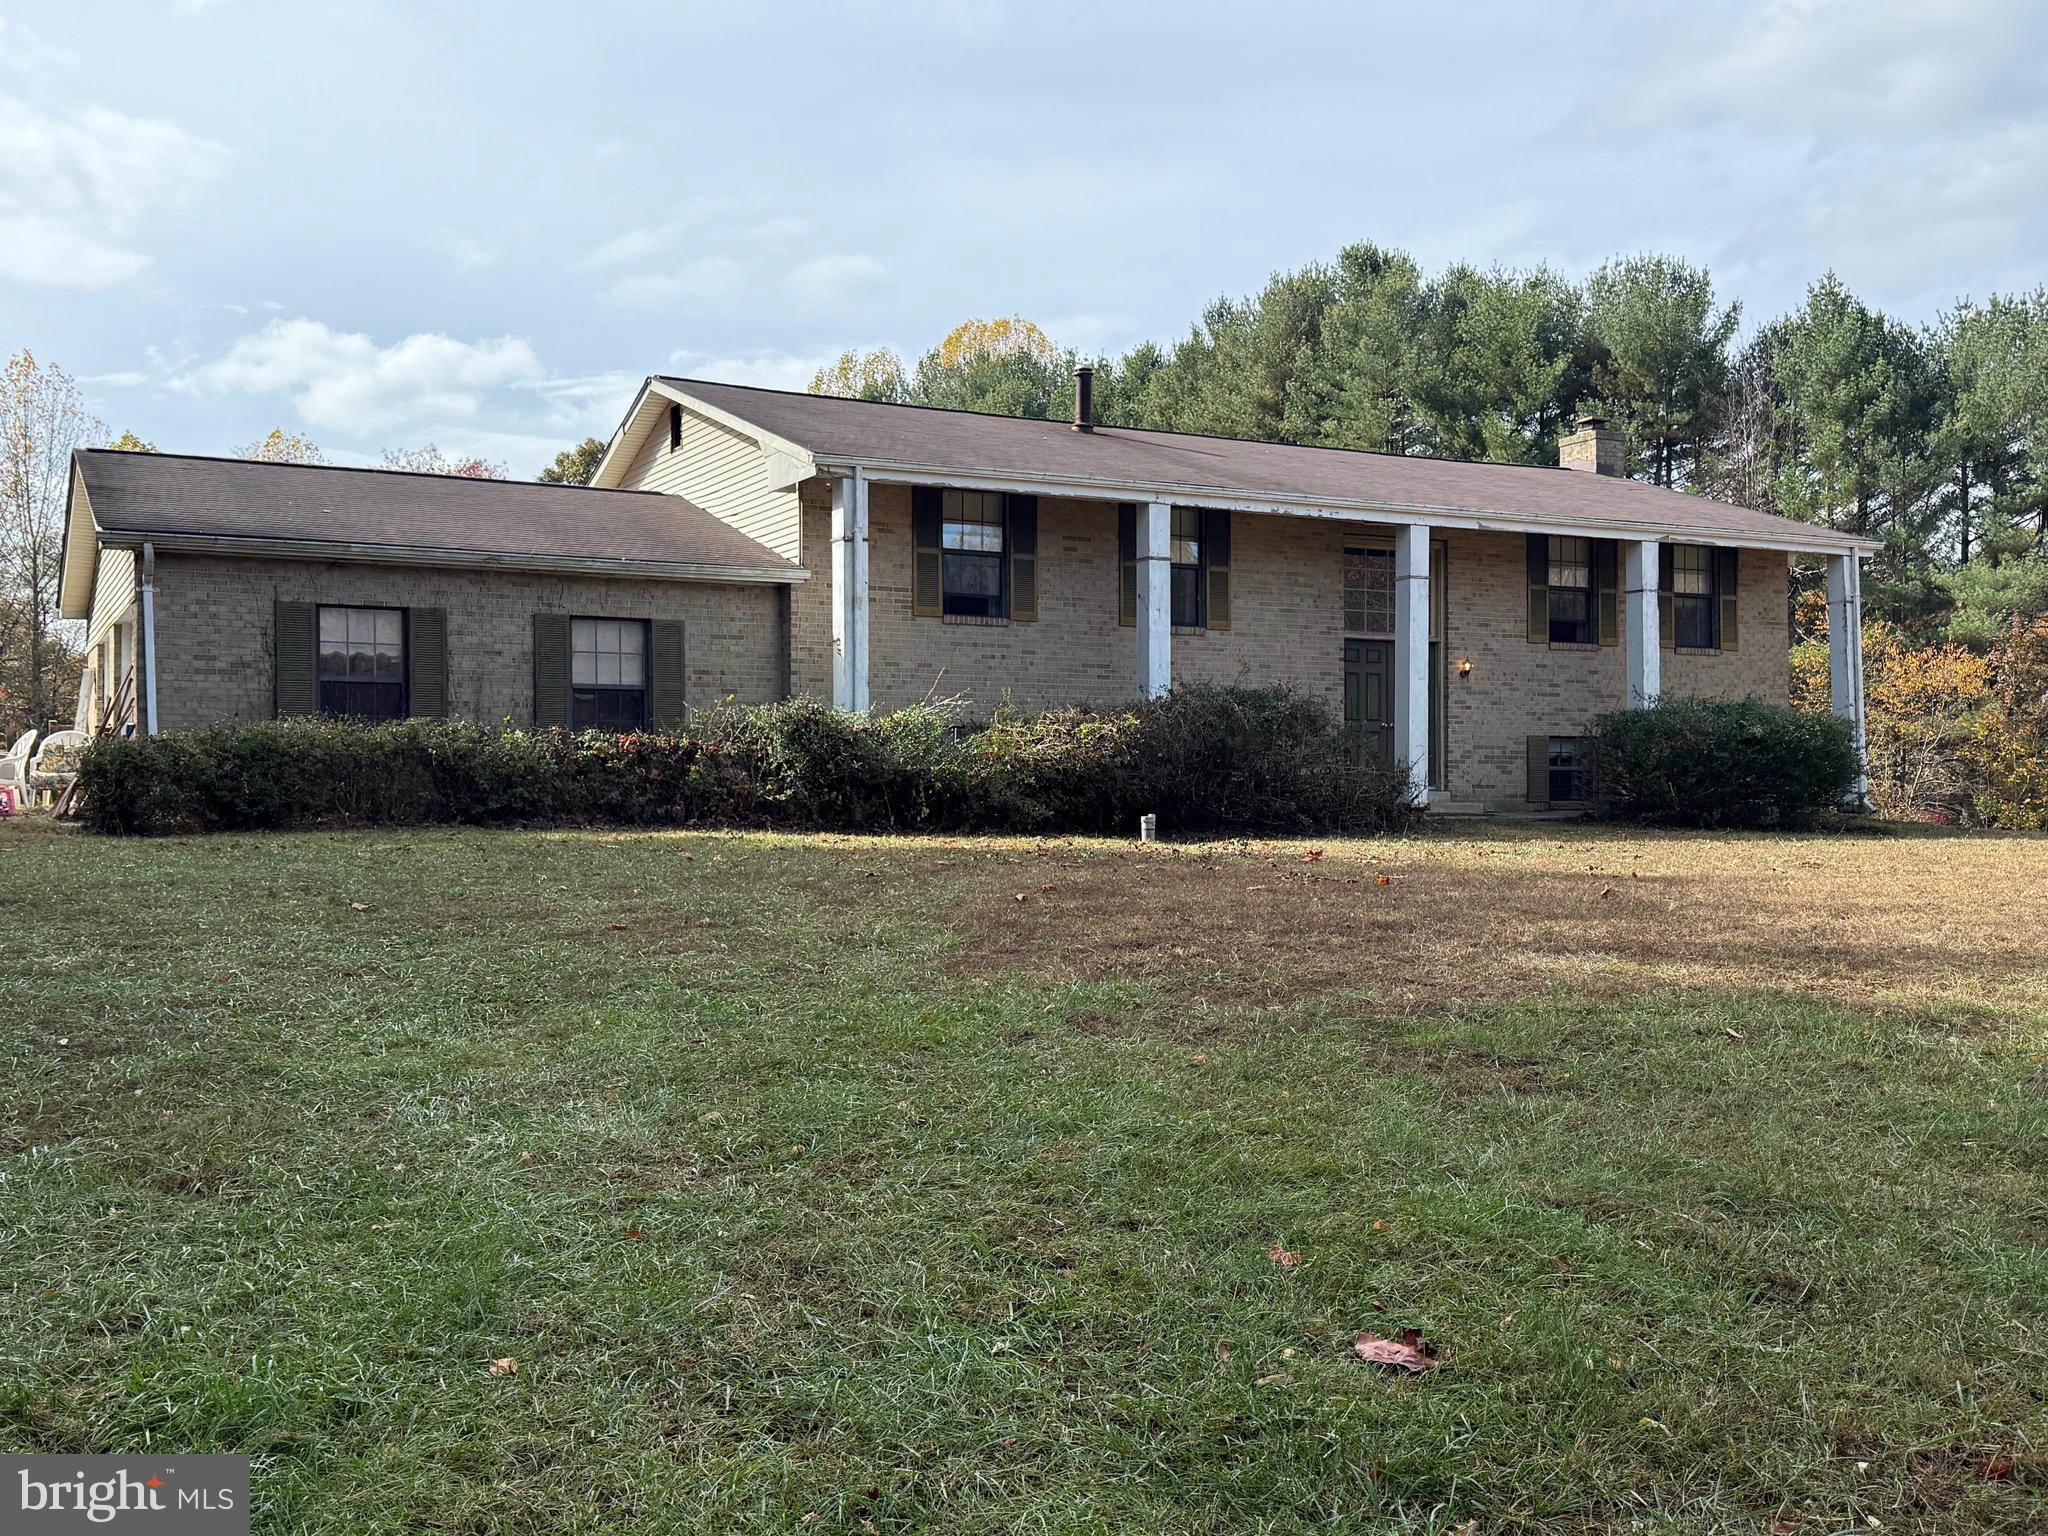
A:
1465,666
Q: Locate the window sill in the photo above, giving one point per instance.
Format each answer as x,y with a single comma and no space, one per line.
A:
1576,645
1696,650
1191,629
974,620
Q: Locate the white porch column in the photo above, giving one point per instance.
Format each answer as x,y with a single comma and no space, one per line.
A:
1845,650
850,592
1411,658
1642,630
1155,599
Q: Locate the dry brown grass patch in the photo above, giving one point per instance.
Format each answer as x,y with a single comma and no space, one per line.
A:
1955,924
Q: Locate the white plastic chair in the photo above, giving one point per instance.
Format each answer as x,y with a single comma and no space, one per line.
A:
14,767
56,761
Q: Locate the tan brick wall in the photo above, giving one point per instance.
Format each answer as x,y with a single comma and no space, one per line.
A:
1287,610
213,626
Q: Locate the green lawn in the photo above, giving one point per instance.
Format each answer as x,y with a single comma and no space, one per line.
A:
854,1185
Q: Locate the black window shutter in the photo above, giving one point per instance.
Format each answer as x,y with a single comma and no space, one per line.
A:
296,689
675,428
1539,589
550,669
1216,567
1538,790
427,654
1127,564
1727,586
927,556
1606,582
667,682
1020,539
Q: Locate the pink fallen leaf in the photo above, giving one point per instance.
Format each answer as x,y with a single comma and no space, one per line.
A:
1282,1257
1411,1352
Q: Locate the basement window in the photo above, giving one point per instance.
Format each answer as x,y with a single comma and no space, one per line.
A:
1571,771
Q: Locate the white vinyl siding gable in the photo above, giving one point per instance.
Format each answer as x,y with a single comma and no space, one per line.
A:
721,471
113,593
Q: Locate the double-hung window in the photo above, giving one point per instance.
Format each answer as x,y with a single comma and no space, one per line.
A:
608,674
1186,555
362,662
1571,591
1571,775
1693,597
972,548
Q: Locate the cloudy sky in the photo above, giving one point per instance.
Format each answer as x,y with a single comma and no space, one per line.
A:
384,222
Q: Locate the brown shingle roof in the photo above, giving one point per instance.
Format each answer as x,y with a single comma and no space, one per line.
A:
173,496
1119,459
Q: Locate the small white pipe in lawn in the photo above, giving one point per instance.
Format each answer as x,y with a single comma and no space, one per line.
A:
1148,828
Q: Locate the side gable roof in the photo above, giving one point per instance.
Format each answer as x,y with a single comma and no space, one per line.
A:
239,506
920,443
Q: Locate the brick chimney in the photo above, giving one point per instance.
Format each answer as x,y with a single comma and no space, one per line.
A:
1595,446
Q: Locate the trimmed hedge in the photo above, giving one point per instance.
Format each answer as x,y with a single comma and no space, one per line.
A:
1205,759
1709,763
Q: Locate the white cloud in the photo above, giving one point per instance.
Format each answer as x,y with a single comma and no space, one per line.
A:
834,276
345,382
769,370
590,404
125,379
704,278
633,245
23,51
74,189
466,254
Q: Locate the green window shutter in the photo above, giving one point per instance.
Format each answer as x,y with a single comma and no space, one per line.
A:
1216,567
1020,540
1727,585
1539,772
1127,564
1607,616
295,656
427,647
667,681
1667,610
550,669
1539,589
927,555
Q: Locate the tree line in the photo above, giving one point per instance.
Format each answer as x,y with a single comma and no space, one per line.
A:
1931,438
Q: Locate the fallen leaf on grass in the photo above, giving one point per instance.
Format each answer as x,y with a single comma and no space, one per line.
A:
1996,1468
1382,879
1734,1034
359,906
635,1235
508,1366
1311,855
1022,896
1411,1352
1271,1381
1223,1351
1282,1257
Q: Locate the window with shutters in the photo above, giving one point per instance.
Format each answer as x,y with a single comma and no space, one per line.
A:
1693,598
608,674
361,667
1571,591
1186,555
971,541
1369,592
1571,776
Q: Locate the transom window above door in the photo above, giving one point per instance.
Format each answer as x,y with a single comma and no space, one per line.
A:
362,662
608,674
971,542
1369,591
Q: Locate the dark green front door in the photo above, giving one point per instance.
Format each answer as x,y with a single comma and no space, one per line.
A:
1369,698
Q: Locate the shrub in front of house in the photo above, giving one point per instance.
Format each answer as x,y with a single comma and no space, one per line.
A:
1715,763
1206,760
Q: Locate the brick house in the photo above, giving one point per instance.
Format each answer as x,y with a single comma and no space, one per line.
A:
1469,619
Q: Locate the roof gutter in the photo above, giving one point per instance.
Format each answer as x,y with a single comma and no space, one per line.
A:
247,547
1341,509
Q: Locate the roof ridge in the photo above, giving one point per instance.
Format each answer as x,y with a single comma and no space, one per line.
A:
368,469
1102,427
